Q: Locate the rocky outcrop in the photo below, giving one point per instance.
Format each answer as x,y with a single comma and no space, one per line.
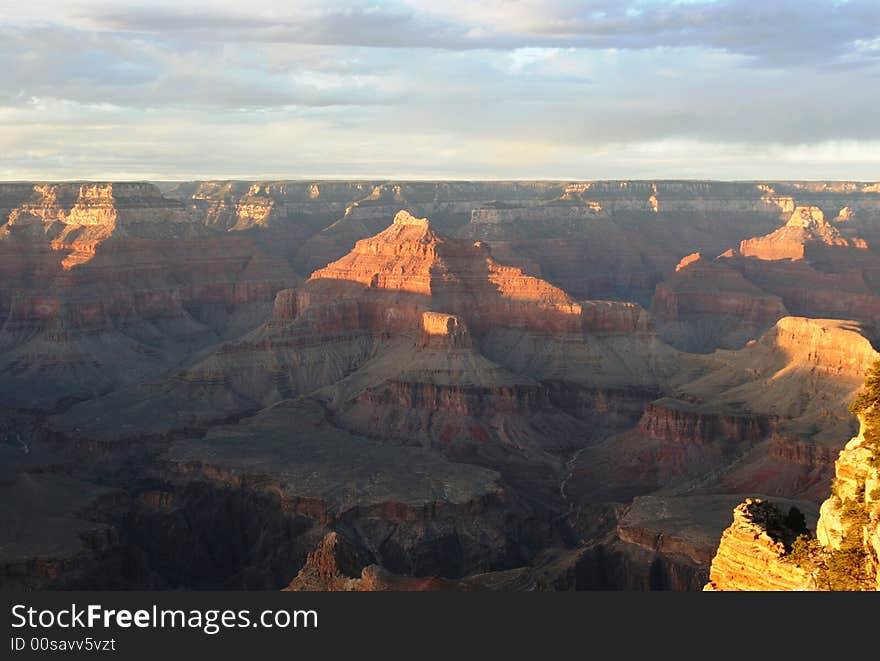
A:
400,258
677,422
460,277
806,229
707,304
751,555
811,267
767,418
815,269
441,330
850,518
757,551
74,219
614,317
677,534
94,204
831,347
802,369
336,565
408,316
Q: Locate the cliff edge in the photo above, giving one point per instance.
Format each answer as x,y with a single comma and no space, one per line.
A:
760,550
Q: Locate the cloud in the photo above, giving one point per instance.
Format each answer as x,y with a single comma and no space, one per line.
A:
784,32
432,87
57,62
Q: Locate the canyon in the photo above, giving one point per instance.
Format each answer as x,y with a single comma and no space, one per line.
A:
374,385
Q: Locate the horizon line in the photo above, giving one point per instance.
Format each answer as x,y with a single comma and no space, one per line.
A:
379,178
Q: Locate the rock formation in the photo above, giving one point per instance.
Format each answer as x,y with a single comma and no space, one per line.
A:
849,520
415,512
593,239
475,401
752,552
805,230
707,304
764,419
108,284
757,553
337,566
808,267
405,339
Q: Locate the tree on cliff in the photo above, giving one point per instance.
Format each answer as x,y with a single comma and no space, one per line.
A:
871,393
867,405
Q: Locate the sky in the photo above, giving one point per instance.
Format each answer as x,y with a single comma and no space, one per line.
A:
440,89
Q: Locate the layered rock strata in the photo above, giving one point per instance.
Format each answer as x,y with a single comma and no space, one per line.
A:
752,550
755,553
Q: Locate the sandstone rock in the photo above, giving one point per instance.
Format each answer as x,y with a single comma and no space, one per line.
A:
444,331
802,369
806,227
459,277
680,533
751,554
368,324
764,419
807,267
857,479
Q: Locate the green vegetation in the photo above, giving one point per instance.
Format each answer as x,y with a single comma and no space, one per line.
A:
866,405
846,568
838,570
853,513
805,552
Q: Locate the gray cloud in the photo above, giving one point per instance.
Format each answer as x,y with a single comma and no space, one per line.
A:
784,32
89,68
441,88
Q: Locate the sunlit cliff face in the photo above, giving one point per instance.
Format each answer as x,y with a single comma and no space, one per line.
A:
455,275
76,218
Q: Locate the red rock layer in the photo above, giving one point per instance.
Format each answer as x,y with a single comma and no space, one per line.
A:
843,292
460,277
677,422
703,287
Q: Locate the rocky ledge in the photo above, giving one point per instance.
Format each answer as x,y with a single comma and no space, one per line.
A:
752,551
